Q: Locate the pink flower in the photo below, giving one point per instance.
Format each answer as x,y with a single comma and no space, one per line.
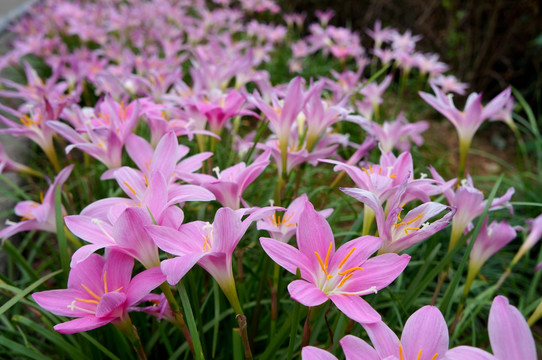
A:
342,275
425,337
509,335
36,216
99,291
535,233
229,184
399,133
282,229
209,245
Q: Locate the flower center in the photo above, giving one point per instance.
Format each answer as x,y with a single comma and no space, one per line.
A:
95,299
346,274
401,357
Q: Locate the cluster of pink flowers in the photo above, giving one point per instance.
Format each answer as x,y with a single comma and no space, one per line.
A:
176,80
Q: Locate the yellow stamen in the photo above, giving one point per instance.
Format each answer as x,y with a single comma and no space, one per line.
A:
90,292
344,279
41,196
320,262
89,301
411,229
146,180
419,355
206,245
129,187
416,218
371,169
105,282
380,170
367,172
434,356
329,276
401,351
352,269
392,176
346,257
328,252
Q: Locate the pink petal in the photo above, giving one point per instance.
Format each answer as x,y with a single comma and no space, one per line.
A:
156,195
140,151
88,273
363,248
288,257
306,293
142,284
383,338
177,267
379,272
129,231
172,217
425,330
92,230
314,353
509,334
59,301
165,156
356,308
314,235
356,349
468,353
109,303
82,324
117,270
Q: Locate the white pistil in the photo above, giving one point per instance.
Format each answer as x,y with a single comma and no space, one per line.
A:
99,223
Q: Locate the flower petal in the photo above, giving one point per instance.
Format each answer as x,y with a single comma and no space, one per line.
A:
82,324
383,338
314,353
468,353
176,268
142,284
356,308
425,330
306,293
355,348
109,304
509,334
314,235
288,257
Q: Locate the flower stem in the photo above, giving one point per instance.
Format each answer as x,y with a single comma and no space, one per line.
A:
306,330
464,145
368,218
537,314
177,314
51,155
198,351
129,330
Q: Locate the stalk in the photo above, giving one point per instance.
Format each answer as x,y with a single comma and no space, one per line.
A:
129,330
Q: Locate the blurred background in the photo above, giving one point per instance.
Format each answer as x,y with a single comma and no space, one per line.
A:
488,44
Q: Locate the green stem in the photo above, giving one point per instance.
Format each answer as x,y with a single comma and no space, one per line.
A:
51,155
464,145
129,330
177,314
368,218
537,314
191,322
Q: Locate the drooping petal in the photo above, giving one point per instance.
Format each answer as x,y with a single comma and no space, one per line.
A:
355,348
356,308
427,320
176,268
306,293
82,324
509,334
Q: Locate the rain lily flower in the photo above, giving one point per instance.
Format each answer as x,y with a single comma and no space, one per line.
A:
209,245
282,229
491,239
36,216
229,184
509,335
282,116
469,120
449,83
535,233
126,235
341,275
470,204
425,337
9,165
99,291
399,133
399,233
